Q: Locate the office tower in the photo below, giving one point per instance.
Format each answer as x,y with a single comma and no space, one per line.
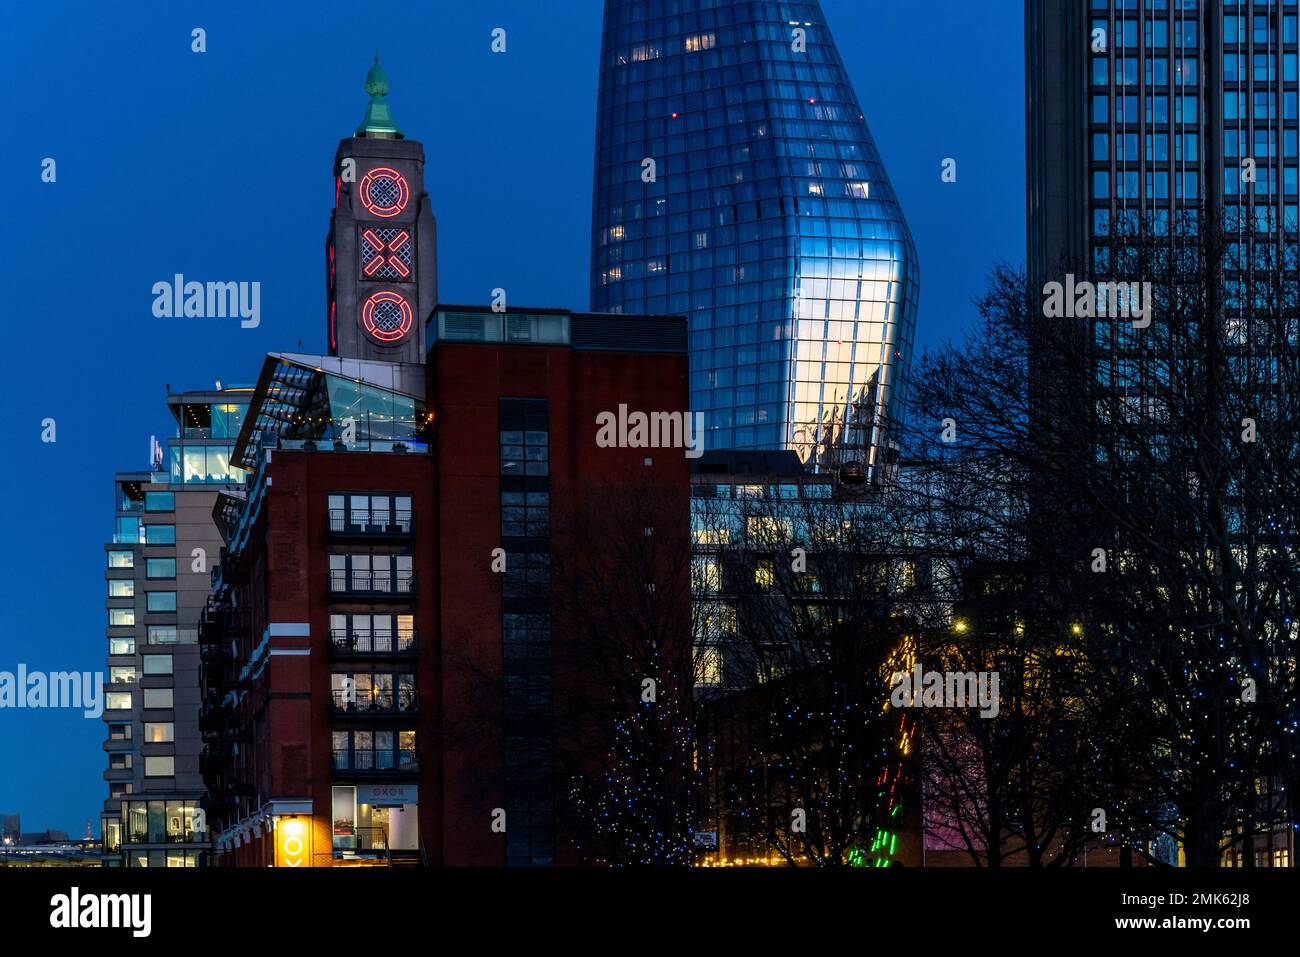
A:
737,183
1141,114
1160,132
379,656
158,578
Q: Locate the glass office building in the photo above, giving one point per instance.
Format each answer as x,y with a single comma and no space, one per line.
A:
737,183
1140,115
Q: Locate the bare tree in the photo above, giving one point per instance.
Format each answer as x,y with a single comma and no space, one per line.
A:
1001,786
1139,466
623,672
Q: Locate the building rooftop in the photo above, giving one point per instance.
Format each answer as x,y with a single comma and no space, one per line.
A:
752,463
592,331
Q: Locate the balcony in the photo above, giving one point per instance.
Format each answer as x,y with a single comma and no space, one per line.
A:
214,763
218,739
187,836
387,524
219,623
223,777
401,701
215,655
383,586
374,764
239,782
215,716
362,643
231,568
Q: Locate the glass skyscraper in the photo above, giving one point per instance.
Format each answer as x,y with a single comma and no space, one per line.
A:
737,183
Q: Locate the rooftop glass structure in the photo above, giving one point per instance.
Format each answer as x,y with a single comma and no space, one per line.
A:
302,401
207,424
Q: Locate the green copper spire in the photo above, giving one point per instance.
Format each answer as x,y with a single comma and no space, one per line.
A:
378,122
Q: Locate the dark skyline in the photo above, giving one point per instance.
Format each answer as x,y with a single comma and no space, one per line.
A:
217,166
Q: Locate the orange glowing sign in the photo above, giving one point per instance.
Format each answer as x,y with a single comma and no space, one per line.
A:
292,843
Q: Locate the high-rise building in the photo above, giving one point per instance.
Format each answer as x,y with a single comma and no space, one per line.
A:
380,654
1141,115
1153,126
736,182
158,578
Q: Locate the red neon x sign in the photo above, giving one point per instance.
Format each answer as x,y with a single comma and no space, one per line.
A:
388,253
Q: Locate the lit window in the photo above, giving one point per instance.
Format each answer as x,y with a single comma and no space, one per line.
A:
708,574
708,665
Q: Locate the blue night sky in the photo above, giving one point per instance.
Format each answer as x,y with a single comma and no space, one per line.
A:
218,165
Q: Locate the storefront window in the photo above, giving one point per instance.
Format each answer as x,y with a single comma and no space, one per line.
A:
345,817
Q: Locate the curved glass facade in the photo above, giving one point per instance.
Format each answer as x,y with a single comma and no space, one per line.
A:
737,183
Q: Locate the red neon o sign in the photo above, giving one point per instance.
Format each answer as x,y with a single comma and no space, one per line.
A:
384,192
380,321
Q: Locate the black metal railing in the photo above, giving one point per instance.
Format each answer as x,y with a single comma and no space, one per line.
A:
187,836
214,716
388,522
372,642
355,582
385,701
375,761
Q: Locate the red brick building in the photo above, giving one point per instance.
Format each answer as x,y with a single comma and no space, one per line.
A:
376,575
381,659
